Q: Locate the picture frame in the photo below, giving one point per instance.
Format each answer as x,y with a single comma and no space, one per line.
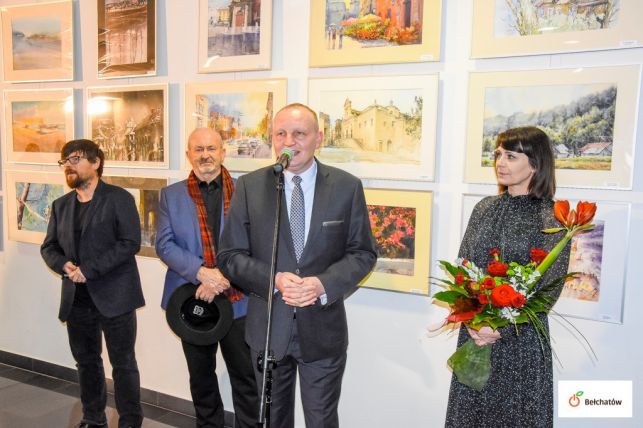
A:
242,112
37,124
126,38
370,33
28,207
554,28
564,103
38,42
234,35
378,127
599,257
130,123
147,195
404,245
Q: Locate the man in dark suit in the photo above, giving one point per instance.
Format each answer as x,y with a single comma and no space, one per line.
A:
190,219
93,234
325,249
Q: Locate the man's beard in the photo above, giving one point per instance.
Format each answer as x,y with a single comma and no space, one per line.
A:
76,182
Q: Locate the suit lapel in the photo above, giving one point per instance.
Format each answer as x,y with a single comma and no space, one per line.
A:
68,219
323,192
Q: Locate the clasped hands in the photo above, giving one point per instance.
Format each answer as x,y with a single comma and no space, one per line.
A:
213,283
485,336
297,291
74,273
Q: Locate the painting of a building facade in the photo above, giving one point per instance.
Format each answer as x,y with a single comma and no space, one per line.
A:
234,27
370,131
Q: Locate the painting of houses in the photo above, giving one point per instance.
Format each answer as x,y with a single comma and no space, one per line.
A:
533,17
355,24
358,128
233,27
586,258
578,118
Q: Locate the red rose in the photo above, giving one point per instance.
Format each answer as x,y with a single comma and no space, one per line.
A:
494,252
489,283
537,255
483,299
459,278
497,269
502,295
518,300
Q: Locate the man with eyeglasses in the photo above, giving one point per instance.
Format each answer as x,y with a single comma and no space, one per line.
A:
93,234
191,217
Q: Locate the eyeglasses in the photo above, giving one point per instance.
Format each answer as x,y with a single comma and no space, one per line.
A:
73,160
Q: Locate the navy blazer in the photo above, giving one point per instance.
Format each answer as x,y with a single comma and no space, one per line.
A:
339,250
178,241
110,239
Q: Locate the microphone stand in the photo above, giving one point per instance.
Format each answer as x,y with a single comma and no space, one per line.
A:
266,360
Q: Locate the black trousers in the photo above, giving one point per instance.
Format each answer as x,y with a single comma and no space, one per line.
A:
84,327
204,385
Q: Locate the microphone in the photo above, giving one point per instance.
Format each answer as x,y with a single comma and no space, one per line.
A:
283,160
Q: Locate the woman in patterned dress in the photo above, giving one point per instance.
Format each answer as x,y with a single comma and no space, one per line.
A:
519,392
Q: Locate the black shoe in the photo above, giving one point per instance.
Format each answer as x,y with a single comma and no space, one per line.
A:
87,425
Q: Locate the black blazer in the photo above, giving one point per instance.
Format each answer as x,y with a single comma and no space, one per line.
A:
111,236
339,250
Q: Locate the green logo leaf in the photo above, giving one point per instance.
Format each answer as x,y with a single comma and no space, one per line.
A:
579,393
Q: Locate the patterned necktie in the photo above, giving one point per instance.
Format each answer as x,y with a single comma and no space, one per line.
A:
297,216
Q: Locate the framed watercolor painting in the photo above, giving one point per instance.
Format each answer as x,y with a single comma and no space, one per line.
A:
242,112
401,223
374,32
38,123
378,127
147,194
126,38
130,124
597,255
529,27
38,42
29,198
588,113
234,35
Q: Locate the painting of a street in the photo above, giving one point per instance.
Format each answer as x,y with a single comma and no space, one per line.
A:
374,126
234,27
586,258
34,204
532,17
125,32
38,126
356,24
129,125
579,120
36,43
243,120
394,232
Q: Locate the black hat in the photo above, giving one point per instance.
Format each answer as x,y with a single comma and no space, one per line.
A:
197,321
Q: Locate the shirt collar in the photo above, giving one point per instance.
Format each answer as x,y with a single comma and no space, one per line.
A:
306,176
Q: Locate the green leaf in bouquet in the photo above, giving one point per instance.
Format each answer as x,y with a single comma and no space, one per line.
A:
452,269
554,230
447,296
471,364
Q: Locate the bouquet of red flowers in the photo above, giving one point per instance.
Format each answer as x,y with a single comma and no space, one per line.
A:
504,293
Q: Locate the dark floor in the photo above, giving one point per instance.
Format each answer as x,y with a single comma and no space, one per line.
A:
28,399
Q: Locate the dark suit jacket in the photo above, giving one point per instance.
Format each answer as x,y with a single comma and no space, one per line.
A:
339,250
111,236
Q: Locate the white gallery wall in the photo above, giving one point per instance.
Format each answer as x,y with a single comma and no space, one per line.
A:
396,375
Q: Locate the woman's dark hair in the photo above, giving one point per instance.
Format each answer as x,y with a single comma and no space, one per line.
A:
88,148
534,143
